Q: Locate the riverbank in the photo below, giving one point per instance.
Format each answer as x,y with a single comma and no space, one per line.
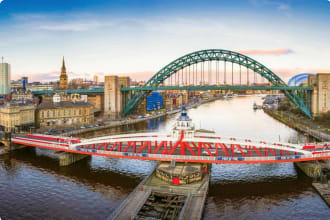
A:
129,121
311,169
301,124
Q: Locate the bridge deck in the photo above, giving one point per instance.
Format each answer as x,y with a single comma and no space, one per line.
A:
163,147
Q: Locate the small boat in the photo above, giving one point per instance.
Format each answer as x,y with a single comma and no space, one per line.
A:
229,96
255,107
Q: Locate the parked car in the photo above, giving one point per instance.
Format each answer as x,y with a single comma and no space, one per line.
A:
82,127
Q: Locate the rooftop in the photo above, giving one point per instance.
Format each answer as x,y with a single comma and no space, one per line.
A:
9,104
62,104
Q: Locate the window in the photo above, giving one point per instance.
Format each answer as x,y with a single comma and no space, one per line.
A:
42,115
79,111
54,113
47,114
74,112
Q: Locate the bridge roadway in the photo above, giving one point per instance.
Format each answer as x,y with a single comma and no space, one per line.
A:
209,148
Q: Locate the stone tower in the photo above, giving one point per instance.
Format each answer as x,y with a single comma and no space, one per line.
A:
63,77
113,98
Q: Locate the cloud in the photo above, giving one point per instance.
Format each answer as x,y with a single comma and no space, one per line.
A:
279,5
62,22
55,76
47,77
81,26
42,77
287,73
276,52
63,27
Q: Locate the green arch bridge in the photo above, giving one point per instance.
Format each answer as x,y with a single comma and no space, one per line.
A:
299,96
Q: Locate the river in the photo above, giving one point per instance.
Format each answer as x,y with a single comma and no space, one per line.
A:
33,186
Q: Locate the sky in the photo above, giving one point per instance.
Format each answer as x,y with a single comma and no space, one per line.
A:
137,38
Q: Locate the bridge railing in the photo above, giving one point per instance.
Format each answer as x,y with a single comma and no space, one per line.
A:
166,157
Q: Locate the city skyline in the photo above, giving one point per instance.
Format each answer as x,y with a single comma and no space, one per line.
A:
137,39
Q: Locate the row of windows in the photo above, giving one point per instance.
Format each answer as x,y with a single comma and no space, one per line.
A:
62,112
59,122
14,122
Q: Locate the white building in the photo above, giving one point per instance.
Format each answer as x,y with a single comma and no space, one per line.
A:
4,78
40,87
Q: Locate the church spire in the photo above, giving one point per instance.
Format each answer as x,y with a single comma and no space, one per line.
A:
63,77
63,70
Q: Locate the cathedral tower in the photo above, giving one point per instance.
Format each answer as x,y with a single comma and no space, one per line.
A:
63,77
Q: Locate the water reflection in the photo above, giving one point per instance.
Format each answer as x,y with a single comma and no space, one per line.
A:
31,180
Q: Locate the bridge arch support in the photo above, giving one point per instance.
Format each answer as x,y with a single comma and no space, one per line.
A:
215,55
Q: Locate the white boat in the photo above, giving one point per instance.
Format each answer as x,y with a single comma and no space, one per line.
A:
229,96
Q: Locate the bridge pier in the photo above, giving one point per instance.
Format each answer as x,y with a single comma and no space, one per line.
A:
172,190
310,168
67,158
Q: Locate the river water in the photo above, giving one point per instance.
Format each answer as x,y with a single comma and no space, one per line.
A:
33,186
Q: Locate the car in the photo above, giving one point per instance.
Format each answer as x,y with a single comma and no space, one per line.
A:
89,126
46,133
96,125
52,130
82,127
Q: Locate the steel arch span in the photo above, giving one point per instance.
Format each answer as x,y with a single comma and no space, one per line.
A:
215,55
298,79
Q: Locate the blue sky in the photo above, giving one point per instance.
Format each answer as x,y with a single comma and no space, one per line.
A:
137,38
